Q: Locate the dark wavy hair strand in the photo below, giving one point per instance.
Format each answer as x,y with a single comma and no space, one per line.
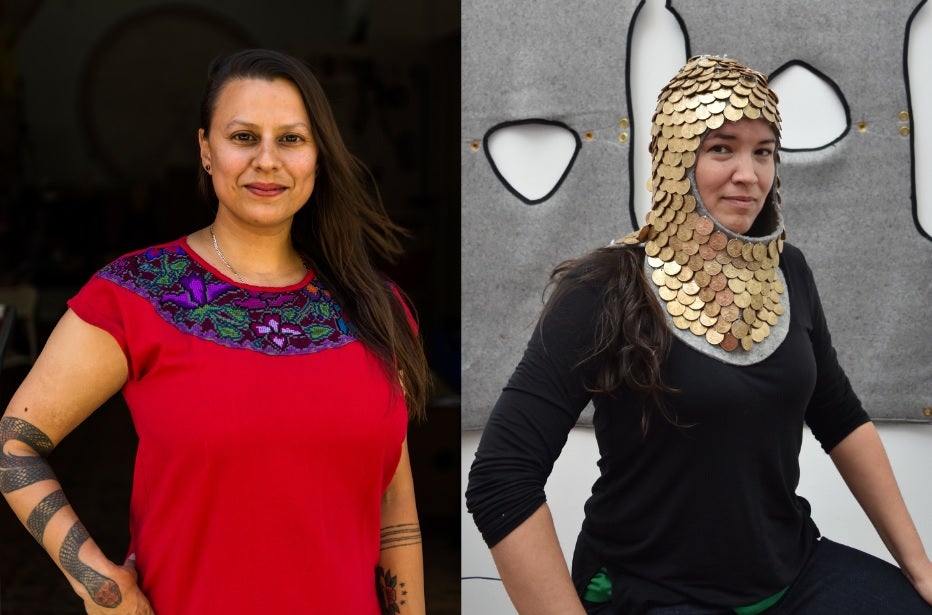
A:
632,339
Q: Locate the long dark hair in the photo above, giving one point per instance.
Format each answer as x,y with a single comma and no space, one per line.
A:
343,227
632,339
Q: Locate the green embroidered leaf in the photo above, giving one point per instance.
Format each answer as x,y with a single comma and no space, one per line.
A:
319,332
230,333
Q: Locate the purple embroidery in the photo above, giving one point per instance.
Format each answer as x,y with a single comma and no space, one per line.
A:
199,292
275,330
199,303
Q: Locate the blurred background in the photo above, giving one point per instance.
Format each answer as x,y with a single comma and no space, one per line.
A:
98,157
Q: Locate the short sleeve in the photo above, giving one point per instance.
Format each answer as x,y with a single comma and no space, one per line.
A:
98,304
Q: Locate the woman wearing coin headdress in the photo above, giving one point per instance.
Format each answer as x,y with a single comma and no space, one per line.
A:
268,367
701,342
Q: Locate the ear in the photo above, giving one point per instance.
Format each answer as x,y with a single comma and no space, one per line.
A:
204,146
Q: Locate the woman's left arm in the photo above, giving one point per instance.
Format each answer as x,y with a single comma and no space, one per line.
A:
863,464
400,575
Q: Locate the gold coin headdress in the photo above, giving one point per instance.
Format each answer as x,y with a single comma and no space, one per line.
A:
722,290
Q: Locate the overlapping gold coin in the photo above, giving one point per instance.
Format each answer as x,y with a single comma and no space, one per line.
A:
722,288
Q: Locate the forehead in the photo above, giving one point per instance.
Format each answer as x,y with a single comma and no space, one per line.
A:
254,98
754,130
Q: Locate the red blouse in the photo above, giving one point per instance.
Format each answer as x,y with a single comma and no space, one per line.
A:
267,436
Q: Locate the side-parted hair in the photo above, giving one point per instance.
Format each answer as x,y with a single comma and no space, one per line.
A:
343,227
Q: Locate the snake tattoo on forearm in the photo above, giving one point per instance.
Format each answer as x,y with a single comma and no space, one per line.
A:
20,471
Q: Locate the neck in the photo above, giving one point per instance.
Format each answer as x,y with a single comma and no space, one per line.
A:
260,258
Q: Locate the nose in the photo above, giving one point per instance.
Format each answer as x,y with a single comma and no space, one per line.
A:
745,171
267,155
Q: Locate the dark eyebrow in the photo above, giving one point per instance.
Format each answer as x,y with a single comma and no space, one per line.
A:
252,126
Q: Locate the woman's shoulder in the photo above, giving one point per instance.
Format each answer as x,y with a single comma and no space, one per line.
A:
793,261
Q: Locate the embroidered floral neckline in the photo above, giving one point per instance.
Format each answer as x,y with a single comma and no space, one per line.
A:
298,319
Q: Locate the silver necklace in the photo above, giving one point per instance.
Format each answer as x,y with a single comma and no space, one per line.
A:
222,258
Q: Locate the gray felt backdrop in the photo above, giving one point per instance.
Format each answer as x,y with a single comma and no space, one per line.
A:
848,206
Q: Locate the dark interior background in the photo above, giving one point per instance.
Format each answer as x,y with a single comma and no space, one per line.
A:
98,157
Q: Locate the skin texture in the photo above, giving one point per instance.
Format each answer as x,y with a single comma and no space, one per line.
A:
260,149
735,171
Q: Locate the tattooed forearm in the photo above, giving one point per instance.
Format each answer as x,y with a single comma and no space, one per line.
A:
391,593
43,512
103,591
18,471
400,535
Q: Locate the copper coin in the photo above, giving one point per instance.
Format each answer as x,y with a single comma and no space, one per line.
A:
736,285
730,313
718,240
718,282
743,299
721,325
712,309
704,226
729,342
712,267
714,337
706,251
734,247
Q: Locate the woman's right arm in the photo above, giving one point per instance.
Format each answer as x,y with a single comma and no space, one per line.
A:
80,368
521,441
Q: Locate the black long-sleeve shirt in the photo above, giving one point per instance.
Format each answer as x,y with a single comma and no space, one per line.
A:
707,512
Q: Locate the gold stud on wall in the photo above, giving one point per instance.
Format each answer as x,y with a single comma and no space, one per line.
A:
903,116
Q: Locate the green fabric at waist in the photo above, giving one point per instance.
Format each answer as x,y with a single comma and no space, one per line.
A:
599,590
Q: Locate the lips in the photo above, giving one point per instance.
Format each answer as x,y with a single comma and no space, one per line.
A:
265,190
741,201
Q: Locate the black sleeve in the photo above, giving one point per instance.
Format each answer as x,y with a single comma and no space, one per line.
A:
530,422
834,410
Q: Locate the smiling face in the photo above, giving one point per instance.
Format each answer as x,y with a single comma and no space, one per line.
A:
261,151
735,170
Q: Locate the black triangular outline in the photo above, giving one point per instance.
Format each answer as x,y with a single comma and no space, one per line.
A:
501,178
841,96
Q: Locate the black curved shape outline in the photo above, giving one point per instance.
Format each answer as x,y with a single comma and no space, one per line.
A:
630,103
912,133
831,83
501,178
